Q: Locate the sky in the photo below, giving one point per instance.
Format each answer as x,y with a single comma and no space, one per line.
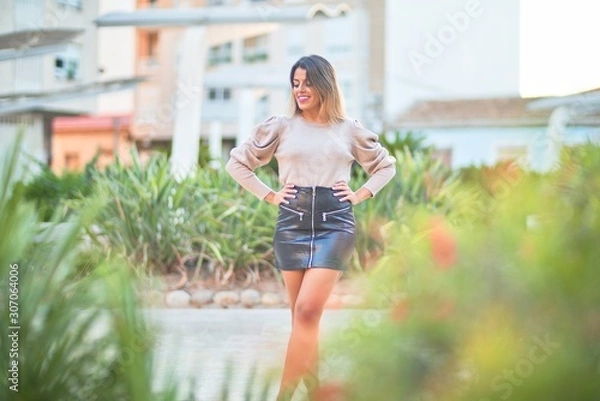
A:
560,46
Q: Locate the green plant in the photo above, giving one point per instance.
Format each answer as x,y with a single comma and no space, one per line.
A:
420,180
157,222
232,230
144,218
67,338
399,141
51,192
501,307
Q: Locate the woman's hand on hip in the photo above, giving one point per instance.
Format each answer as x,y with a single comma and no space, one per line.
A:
343,191
277,198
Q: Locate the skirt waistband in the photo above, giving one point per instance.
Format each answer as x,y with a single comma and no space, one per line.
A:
316,199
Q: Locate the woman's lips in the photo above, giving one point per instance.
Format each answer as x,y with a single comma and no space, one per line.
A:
302,99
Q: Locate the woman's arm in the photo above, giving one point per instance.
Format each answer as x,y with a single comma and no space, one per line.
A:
374,159
256,151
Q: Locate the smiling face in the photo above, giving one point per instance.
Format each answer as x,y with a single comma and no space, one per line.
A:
306,97
315,92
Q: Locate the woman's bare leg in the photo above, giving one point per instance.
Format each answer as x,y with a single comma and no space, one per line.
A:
302,352
293,280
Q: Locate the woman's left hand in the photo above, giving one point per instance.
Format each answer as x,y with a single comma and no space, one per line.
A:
343,191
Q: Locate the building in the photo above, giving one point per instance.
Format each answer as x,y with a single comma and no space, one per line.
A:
50,66
450,49
78,140
69,63
490,130
247,67
105,131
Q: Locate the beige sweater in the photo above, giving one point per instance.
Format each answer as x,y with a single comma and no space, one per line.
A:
310,154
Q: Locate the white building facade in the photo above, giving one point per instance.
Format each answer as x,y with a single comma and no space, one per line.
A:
247,68
23,24
450,49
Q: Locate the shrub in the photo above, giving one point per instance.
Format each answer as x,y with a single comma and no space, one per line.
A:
145,218
232,230
504,306
78,339
420,180
158,223
50,192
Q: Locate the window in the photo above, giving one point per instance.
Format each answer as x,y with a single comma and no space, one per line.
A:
151,44
219,94
77,4
72,160
66,64
339,49
256,49
141,4
221,54
262,108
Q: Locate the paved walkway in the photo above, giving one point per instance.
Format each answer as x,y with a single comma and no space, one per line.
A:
195,344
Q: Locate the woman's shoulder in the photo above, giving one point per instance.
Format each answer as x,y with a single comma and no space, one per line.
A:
274,124
275,120
354,126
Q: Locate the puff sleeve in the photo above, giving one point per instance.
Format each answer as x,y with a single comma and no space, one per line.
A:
256,151
373,158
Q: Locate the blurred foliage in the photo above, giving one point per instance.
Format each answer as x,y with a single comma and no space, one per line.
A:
77,338
204,157
492,179
144,219
232,230
399,141
206,219
51,192
420,179
492,307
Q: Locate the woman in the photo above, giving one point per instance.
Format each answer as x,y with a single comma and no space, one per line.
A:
314,235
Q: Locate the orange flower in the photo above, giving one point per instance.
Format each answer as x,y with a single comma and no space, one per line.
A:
399,311
443,244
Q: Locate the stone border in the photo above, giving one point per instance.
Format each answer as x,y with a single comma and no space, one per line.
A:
249,298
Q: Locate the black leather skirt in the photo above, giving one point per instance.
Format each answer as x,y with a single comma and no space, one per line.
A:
314,230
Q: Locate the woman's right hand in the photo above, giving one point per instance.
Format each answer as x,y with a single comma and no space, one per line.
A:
277,198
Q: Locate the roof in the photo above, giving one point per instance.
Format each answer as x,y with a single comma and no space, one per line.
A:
28,102
34,42
256,13
483,112
103,122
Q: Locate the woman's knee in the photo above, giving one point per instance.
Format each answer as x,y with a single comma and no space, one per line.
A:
306,312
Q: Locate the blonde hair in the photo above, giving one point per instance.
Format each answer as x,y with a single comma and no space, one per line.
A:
322,76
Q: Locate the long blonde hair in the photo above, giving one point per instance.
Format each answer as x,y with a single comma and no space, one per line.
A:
322,76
